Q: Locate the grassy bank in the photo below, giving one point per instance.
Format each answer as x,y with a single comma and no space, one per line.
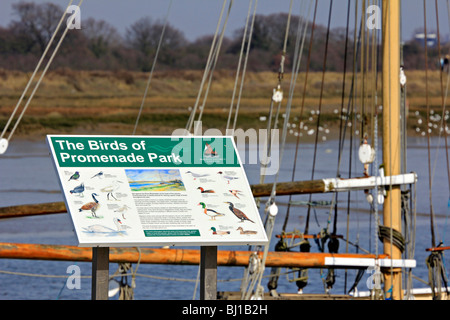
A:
108,102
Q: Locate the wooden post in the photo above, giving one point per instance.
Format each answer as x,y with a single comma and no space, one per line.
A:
100,273
208,273
391,137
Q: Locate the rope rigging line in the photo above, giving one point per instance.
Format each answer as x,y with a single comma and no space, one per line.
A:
210,65
432,223
35,72
308,64
241,54
253,278
155,59
320,100
245,64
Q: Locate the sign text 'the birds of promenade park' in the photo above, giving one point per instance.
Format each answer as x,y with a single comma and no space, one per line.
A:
108,151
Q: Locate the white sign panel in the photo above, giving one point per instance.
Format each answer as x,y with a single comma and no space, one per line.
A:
134,191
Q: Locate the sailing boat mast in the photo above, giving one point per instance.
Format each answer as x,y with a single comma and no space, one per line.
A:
391,139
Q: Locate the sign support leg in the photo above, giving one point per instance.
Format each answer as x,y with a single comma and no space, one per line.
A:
100,273
208,273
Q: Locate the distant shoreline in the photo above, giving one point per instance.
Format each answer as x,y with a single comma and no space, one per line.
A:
107,103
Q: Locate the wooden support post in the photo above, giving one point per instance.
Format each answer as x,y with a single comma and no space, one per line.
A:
100,273
208,273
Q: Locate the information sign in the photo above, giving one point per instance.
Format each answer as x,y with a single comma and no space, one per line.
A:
125,191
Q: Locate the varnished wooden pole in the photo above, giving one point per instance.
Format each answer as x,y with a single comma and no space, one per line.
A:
169,256
391,137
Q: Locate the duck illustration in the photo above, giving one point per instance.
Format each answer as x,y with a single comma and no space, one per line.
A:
99,175
111,188
75,176
197,175
91,206
210,212
235,193
209,150
227,177
79,189
101,229
220,233
246,231
205,191
238,213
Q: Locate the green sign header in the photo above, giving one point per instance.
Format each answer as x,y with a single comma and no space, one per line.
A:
134,151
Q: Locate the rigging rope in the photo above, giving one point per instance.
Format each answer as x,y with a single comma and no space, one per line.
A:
270,204
35,72
244,37
155,59
209,68
245,66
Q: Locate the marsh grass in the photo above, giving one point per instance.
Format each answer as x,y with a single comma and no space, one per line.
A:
76,101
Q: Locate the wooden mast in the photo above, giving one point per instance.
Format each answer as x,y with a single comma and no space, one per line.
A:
391,138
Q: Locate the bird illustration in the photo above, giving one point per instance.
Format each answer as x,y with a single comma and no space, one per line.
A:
246,231
111,188
75,176
79,189
235,193
227,177
101,229
99,175
197,175
209,150
238,213
210,212
123,210
91,206
220,233
205,191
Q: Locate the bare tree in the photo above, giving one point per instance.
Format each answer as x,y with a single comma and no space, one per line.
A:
36,21
144,35
101,36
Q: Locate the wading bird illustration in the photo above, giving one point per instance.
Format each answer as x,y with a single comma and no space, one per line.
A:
227,177
210,212
220,233
111,188
123,210
238,213
75,176
91,206
79,189
205,191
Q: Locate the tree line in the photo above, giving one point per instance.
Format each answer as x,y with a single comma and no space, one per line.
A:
99,45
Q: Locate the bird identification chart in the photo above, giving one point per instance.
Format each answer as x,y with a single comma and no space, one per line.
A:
128,191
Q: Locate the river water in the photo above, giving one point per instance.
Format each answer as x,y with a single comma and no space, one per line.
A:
27,176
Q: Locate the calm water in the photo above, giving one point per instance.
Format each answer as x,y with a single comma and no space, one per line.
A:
27,176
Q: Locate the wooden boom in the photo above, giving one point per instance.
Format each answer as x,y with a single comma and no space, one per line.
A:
261,190
192,257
